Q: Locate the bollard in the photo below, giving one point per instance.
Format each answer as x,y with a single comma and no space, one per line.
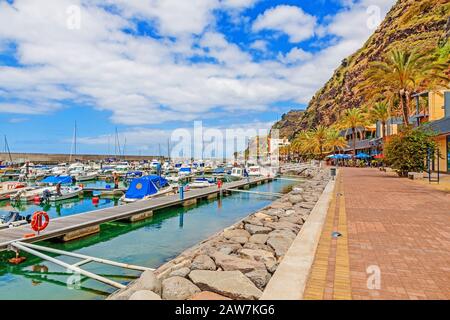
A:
333,173
181,191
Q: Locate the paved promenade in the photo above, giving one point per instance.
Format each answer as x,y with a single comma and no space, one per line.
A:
395,241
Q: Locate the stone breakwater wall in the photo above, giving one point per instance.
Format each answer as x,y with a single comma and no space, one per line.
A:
238,262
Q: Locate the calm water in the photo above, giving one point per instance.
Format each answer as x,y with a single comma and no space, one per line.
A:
149,243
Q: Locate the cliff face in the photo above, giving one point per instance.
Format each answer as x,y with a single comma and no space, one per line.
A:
420,24
289,123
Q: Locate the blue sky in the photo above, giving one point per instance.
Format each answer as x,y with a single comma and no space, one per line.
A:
149,67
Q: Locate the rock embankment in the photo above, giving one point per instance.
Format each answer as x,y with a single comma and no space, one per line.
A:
238,262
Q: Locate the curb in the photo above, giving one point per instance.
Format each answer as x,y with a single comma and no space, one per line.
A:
290,279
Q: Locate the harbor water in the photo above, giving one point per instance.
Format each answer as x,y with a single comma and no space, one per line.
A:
148,243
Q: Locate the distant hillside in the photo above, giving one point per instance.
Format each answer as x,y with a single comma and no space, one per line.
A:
289,123
420,24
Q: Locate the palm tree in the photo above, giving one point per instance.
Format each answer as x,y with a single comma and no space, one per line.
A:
353,119
402,74
335,140
312,142
381,112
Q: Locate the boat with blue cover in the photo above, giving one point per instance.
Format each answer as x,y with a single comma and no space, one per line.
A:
146,187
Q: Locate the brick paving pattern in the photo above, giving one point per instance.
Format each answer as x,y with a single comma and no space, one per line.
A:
390,225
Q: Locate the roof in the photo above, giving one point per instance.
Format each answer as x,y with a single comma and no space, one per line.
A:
363,144
441,126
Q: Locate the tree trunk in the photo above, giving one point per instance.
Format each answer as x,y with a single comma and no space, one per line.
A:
404,106
383,128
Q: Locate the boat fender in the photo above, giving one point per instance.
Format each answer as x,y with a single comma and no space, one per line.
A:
36,221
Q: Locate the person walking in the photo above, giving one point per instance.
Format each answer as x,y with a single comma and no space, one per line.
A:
116,180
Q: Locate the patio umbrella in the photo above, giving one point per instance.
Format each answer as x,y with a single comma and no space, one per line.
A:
362,155
379,156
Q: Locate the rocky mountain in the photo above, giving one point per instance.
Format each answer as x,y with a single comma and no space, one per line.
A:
420,24
288,124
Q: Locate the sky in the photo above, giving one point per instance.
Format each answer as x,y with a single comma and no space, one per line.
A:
148,67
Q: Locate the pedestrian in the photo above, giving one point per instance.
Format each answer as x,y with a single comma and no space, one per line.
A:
116,180
58,188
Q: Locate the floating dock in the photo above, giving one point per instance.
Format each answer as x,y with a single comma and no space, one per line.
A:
83,224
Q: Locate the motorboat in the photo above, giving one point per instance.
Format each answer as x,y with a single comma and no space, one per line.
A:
201,183
185,171
54,180
66,192
218,172
133,175
13,219
254,171
10,188
30,195
237,173
146,187
85,176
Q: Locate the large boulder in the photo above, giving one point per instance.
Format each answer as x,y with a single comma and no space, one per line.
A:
284,233
208,295
308,205
258,246
203,262
254,220
275,212
232,284
231,263
144,295
234,233
259,277
183,272
228,248
178,288
286,225
239,240
147,281
266,257
263,216
280,244
281,205
257,229
258,238
294,218
295,198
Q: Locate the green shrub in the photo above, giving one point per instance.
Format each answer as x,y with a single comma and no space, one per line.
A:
407,151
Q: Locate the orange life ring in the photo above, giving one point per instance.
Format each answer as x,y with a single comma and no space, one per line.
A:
36,221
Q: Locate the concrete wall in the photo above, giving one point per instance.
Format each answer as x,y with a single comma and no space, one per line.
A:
58,158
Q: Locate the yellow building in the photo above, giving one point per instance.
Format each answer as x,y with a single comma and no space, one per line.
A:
437,114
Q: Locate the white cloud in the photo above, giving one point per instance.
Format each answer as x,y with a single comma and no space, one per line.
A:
141,80
295,55
260,45
291,20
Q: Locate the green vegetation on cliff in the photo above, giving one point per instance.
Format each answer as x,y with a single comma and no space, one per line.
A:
421,25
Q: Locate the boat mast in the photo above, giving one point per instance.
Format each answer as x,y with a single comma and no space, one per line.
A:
168,149
73,149
7,149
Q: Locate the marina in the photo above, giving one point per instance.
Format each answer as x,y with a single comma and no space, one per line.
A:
67,225
148,243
